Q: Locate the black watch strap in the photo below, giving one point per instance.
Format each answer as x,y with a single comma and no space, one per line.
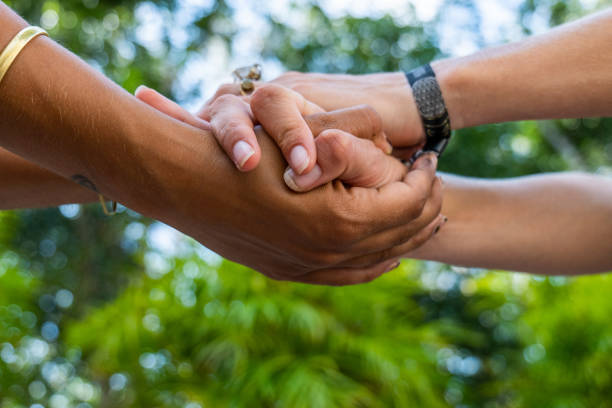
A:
431,106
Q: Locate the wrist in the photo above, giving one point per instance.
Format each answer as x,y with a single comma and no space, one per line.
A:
405,97
181,169
451,84
398,109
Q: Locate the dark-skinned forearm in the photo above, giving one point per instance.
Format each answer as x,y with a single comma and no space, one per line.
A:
26,185
62,115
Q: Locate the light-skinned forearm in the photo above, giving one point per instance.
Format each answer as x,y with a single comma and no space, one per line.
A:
564,73
26,185
549,224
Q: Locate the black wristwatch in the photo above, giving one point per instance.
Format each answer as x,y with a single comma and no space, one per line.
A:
431,106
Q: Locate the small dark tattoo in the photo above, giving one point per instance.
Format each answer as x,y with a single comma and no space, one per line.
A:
84,182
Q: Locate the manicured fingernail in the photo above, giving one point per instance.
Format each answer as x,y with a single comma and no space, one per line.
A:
299,159
392,266
303,182
445,219
242,153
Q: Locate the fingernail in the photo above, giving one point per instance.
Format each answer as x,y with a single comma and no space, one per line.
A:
430,158
204,125
304,182
140,88
392,266
242,153
389,149
299,159
289,177
388,146
440,225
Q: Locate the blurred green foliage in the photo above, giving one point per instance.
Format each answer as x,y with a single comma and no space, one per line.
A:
122,311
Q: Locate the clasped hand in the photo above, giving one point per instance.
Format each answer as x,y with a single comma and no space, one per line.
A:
364,208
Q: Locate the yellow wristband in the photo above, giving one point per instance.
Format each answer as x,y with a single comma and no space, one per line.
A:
17,44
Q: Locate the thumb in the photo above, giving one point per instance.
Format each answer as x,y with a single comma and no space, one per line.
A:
281,111
355,161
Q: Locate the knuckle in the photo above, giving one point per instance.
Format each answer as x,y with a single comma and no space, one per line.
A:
224,99
221,104
348,228
266,92
331,232
228,132
322,121
340,224
290,136
230,127
226,89
337,143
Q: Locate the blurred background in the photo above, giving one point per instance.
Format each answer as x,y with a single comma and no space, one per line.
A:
127,312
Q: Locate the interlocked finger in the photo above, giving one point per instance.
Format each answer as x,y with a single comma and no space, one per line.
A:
361,121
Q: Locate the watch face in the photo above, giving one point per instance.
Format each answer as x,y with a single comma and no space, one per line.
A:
429,98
